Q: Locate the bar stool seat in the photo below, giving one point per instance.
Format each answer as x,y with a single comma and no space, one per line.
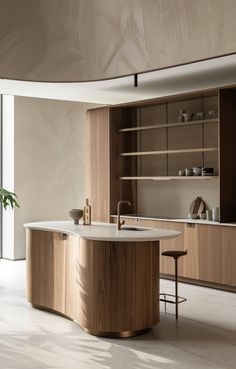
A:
176,254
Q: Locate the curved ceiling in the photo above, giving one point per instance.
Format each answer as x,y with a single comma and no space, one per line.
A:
77,40
192,77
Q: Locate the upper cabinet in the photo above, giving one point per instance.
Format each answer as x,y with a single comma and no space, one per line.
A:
137,153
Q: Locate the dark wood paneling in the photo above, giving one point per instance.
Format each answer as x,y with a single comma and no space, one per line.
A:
122,190
227,133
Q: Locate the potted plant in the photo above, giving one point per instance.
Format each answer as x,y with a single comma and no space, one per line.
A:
8,198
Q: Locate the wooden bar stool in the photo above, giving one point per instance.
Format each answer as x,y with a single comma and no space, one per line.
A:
176,254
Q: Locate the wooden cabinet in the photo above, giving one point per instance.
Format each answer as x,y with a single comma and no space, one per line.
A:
52,271
71,276
98,163
46,269
208,256
228,238
110,288
211,250
167,263
130,145
104,164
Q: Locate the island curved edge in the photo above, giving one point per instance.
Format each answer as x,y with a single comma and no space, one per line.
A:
109,288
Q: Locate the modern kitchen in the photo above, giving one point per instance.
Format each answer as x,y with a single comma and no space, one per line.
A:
118,141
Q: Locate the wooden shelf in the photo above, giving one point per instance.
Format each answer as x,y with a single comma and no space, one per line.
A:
163,152
169,125
168,178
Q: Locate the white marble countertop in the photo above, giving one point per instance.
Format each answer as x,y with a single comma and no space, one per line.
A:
180,220
104,231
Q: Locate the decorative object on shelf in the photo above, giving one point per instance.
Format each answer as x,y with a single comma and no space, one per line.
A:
188,172
208,214
8,198
210,114
215,214
197,171
202,216
187,117
197,207
181,173
87,213
181,116
207,171
76,214
199,115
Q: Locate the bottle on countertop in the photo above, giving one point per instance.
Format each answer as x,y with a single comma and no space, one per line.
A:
87,213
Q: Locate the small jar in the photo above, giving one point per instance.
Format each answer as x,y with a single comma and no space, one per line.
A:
188,172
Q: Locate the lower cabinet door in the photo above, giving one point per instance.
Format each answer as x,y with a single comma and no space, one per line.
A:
72,276
190,261
229,256
209,253
46,269
167,263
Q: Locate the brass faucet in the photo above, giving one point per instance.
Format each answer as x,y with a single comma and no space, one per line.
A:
119,223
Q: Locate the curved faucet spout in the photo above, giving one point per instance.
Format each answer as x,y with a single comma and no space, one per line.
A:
119,223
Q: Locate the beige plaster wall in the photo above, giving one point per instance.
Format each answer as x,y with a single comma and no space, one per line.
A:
73,40
49,161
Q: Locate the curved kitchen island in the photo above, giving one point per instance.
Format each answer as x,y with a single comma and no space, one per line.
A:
104,279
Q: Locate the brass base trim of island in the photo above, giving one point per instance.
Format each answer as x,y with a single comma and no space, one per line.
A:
105,280
122,334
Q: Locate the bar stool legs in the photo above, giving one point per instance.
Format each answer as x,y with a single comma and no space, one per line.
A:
176,289
176,254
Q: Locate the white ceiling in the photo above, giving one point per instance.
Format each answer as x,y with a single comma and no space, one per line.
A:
192,77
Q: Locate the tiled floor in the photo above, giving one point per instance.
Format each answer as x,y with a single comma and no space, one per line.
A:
203,338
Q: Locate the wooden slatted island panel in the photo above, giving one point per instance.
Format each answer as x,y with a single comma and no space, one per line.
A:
105,280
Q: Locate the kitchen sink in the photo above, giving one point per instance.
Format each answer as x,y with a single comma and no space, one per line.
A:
133,229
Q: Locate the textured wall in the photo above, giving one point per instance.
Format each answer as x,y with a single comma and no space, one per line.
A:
49,161
73,40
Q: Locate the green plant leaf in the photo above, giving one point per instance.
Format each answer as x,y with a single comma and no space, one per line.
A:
8,198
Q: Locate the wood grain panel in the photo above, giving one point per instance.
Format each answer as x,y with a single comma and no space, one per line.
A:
71,276
98,163
228,256
191,260
58,40
147,285
209,261
178,243
150,223
84,282
114,278
46,269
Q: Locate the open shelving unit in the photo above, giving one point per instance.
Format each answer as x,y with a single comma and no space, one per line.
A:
138,149
170,125
168,178
168,152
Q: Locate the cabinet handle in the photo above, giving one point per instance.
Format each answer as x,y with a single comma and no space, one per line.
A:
191,225
64,236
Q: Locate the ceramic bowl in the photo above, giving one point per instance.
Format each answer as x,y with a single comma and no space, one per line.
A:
76,214
197,171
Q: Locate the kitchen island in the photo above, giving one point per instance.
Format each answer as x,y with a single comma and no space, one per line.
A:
106,280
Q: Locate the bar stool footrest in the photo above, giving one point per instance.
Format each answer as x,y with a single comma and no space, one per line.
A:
180,299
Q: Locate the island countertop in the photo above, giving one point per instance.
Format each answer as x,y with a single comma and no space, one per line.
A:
98,231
